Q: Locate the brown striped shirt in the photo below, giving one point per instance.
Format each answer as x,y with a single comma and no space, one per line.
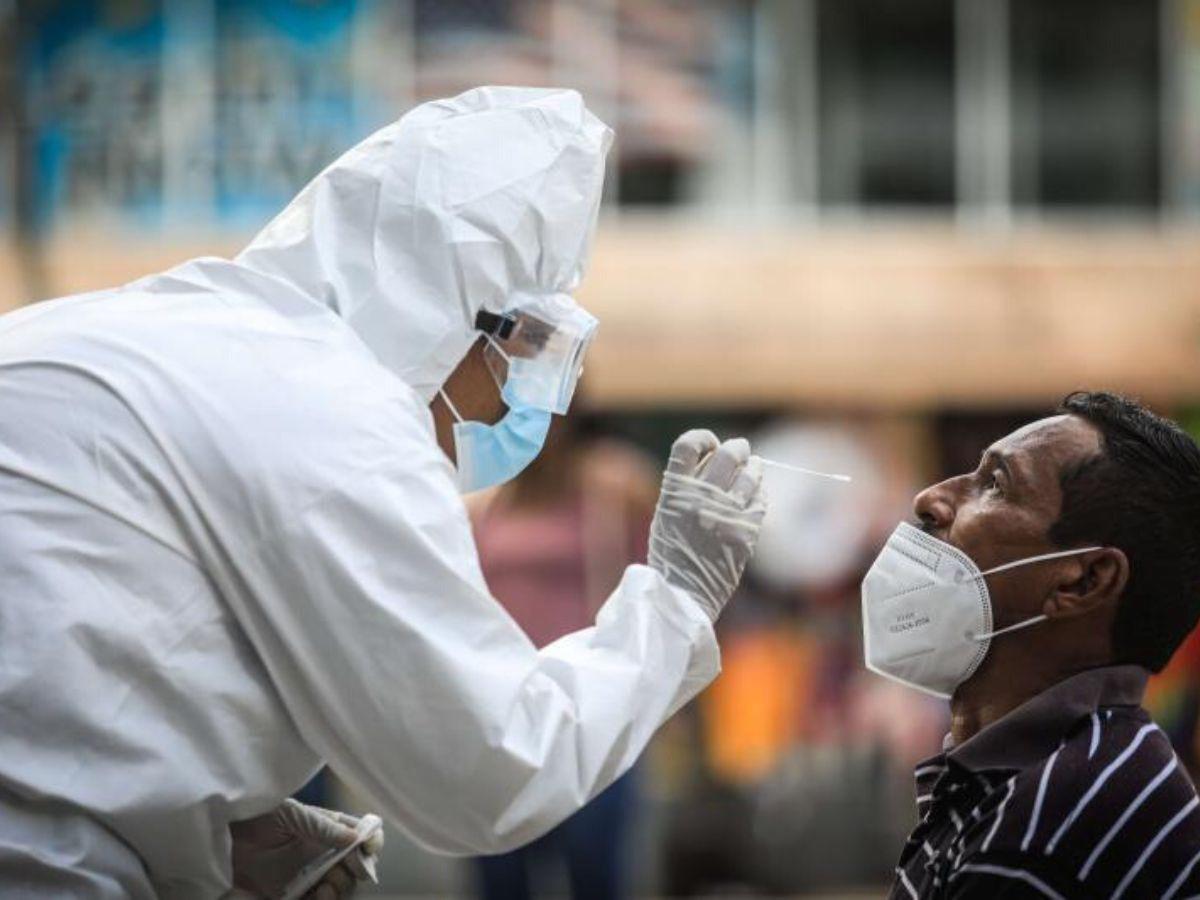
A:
1075,794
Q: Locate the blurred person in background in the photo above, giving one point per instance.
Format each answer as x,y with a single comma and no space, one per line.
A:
234,544
553,544
1054,781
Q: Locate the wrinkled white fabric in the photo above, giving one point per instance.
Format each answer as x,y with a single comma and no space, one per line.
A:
230,547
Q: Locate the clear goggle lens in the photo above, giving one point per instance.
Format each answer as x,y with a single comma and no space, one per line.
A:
539,359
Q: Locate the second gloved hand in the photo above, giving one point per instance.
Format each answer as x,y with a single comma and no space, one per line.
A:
709,514
269,850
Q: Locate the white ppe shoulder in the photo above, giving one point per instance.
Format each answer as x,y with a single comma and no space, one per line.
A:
369,609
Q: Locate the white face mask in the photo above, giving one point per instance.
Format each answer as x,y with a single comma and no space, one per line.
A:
927,616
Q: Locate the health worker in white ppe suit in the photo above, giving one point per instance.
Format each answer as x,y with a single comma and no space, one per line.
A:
232,545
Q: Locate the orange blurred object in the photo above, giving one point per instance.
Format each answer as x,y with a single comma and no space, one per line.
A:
758,707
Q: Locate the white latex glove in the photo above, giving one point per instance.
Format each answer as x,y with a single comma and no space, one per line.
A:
708,517
269,850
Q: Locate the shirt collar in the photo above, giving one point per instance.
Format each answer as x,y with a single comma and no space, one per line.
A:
1033,730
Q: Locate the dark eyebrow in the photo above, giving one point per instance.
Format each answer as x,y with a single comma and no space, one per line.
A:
1001,460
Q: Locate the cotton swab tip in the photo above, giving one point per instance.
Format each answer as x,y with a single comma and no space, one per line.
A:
832,476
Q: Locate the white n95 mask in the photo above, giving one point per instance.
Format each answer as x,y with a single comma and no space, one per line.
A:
927,615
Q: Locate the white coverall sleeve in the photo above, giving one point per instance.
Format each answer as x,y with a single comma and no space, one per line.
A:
372,616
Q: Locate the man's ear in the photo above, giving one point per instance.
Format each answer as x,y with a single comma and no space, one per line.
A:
1091,580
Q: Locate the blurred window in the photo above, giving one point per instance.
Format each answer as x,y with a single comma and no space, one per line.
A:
93,96
218,110
433,16
284,100
1086,103
668,112
886,101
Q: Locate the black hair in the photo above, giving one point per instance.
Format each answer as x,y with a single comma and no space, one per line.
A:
1141,494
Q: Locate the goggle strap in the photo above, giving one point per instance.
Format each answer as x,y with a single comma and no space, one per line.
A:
493,324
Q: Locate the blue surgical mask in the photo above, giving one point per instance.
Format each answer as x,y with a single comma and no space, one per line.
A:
488,455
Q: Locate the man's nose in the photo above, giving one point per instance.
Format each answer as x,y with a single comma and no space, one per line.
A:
934,506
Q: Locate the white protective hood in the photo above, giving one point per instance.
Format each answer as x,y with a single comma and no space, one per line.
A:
448,211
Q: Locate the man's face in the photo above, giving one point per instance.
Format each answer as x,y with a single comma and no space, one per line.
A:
1003,510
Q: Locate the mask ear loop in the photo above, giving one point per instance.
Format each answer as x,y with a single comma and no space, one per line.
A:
496,346
1012,565
991,634
1033,559
453,409
507,362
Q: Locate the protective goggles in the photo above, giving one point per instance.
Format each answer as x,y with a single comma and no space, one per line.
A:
536,347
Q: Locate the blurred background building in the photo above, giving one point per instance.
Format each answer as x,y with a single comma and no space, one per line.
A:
876,234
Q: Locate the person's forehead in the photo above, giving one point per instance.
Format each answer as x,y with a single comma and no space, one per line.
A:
1051,442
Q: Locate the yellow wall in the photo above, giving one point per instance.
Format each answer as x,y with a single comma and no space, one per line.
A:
893,318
